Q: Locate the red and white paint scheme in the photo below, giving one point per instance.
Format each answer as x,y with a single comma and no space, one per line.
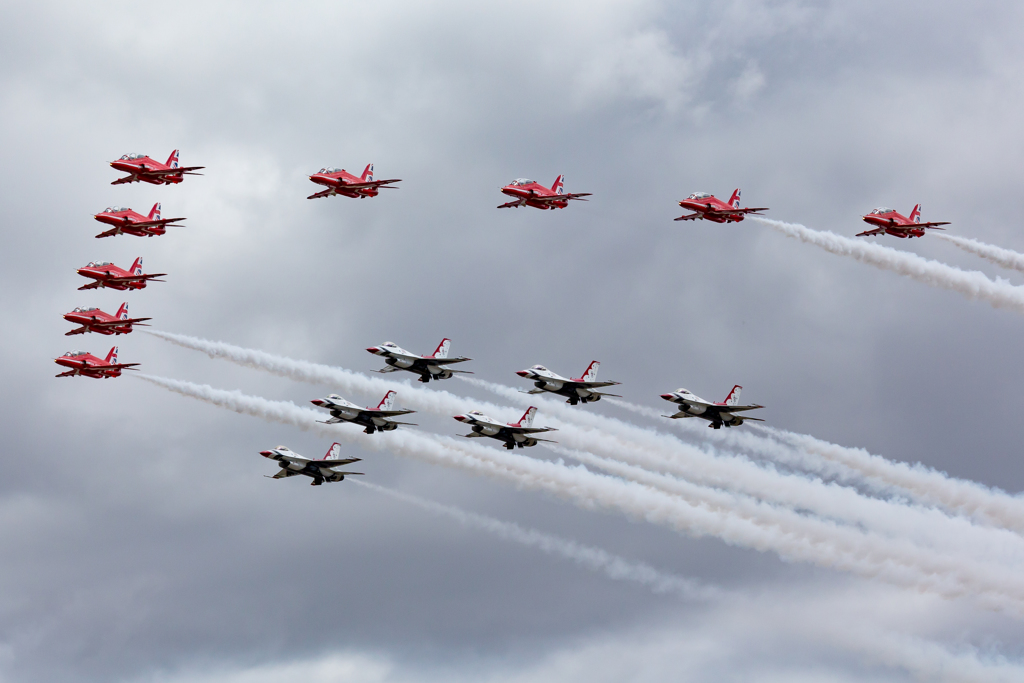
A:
106,274
575,389
318,470
140,168
531,193
87,365
427,367
93,319
372,419
717,414
710,208
890,221
128,222
512,434
339,181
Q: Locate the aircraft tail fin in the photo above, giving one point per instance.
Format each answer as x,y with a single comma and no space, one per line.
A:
442,349
154,213
367,176
591,374
122,313
388,401
734,396
334,452
527,419
915,215
136,268
734,200
172,161
557,186
112,356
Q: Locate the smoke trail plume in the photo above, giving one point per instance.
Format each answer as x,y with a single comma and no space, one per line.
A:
868,556
972,284
595,559
997,255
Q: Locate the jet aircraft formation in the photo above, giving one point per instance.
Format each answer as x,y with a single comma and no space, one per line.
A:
338,182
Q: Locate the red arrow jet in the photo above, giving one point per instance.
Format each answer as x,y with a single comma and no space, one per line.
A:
140,168
531,193
710,208
891,222
106,274
94,320
85,364
128,222
340,181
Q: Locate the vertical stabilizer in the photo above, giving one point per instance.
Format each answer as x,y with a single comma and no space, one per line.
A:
558,184
442,349
367,176
734,396
388,401
122,313
527,419
137,267
112,356
591,374
334,452
172,161
915,215
154,213
734,200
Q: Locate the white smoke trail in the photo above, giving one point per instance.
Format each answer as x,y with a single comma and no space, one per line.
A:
592,558
997,255
972,284
892,562
647,448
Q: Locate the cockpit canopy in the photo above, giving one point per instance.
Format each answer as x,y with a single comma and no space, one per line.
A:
85,309
680,390
390,345
519,182
281,448
880,210
97,264
476,412
331,170
699,195
73,354
132,157
540,368
115,209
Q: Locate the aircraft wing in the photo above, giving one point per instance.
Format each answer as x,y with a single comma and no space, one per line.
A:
117,366
595,385
868,233
390,368
371,184
108,233
127,179
173,171
119,323
336,463
135,278
284,473
529,430
688,217
733,212
736,409
151,224
445,361
558,197
387,413
931,225
322,193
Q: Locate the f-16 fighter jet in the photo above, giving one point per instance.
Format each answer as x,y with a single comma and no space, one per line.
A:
531,193
140,168
319,470
512,434
106,274
93,319
717,414
891,222
128,222
373,419
710,208
87,365
427,367
576,389
340,181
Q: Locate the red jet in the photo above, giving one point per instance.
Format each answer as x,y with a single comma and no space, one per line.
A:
140,167
94,320
531,193
106,274
85,364
711,208
892,222
340,181
128,222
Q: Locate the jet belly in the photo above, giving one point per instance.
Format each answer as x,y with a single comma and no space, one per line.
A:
399,362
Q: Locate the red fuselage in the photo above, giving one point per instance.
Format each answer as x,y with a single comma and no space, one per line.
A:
109,276
337,180
528,194
101,322
141,168
86,365
124,219
710,207
894,223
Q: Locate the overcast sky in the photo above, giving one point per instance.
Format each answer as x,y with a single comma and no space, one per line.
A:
141,540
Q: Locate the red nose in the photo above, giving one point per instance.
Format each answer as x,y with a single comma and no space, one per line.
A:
317,401
266,454
523,373
460,418
373,349
667,397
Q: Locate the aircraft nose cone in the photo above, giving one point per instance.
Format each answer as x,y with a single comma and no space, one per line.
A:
460,418
317,401
266,454
667,397
523,373
373,349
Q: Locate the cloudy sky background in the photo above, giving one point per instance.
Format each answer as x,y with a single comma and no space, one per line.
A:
142,542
